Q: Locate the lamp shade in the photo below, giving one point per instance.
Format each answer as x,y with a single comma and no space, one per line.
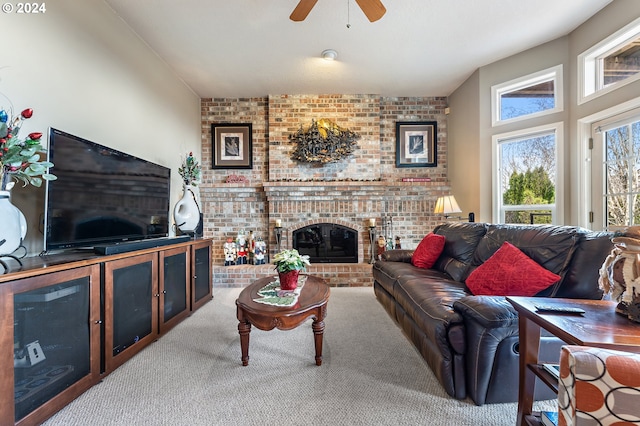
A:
447,205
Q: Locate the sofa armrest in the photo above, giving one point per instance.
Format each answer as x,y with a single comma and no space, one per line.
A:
598,386
398,255
487,311
488,321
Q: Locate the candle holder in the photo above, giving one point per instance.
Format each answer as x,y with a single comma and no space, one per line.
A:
372,239
278,232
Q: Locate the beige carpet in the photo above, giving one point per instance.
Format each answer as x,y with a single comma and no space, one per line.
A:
371,375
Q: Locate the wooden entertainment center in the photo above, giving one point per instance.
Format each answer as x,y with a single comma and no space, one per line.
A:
67,320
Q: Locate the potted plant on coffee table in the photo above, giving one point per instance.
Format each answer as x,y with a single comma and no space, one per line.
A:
289,263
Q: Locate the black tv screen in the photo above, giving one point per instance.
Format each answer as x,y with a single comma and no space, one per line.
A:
102,195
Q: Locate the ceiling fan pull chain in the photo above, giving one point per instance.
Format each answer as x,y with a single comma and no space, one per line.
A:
348,14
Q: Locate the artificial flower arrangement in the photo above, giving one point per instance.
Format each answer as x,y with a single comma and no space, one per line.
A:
190,170
289,263
20,158
290,260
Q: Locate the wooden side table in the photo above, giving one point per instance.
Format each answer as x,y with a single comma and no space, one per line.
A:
600,326
312,302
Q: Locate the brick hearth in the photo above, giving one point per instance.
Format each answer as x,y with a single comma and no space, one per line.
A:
335,274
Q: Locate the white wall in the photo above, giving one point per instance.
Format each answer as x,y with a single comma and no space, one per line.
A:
619,14
564,51
533,60
85,72
463,146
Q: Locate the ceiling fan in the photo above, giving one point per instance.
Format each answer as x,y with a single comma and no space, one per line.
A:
374,9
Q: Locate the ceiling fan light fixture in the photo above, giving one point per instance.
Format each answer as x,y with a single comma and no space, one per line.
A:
329,55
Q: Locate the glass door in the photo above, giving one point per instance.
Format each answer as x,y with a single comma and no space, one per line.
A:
616,172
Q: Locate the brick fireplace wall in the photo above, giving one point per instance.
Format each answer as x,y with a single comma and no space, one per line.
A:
358,113
368,185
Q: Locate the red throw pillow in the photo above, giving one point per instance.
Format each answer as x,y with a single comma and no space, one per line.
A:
428,251
510,272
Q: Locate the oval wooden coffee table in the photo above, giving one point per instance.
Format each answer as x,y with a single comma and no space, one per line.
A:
312,302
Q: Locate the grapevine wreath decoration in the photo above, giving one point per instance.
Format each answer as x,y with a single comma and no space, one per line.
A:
323,142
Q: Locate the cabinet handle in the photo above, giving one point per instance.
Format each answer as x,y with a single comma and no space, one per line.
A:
157,295
164,291
98,322
195,277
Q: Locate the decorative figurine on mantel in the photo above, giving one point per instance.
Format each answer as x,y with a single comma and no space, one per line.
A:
260,249
251,244
230,251
398,246
242,249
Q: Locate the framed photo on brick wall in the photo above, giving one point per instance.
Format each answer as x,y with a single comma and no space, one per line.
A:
416,144
232,146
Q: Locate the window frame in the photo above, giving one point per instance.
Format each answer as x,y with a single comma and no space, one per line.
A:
599,130
585,194
554,74
557,210
589,64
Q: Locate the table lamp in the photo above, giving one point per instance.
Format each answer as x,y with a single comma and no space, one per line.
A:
446,206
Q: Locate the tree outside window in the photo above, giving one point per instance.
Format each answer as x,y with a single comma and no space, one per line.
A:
622,166
527,173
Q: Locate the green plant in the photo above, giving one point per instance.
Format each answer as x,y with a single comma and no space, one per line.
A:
20,158
190,170
290,260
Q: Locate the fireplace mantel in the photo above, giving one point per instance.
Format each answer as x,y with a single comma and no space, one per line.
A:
347,183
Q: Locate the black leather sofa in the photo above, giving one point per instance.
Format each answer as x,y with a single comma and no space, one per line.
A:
471,342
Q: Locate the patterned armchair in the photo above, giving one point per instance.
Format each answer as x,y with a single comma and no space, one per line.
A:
598,387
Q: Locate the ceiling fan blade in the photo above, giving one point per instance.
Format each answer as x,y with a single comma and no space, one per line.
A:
374,9
302,10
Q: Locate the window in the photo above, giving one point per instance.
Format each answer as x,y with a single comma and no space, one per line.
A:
530,96
616,145
526,178
610,64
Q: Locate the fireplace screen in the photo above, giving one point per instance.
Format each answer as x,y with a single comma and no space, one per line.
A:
327,243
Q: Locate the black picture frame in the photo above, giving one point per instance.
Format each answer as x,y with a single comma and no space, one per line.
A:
231,146
416,144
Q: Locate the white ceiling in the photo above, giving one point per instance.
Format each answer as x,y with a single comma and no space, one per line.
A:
250,48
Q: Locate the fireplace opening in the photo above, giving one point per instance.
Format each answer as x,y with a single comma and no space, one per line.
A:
327,243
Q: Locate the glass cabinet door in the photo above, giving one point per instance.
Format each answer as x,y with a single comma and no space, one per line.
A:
174,287
201,264
55,332
130,307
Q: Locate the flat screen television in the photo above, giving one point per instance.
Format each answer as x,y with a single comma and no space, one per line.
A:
102,195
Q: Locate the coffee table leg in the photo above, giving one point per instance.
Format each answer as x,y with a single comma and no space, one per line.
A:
529,338
318,331
244,328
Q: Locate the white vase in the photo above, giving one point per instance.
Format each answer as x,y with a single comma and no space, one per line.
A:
186,213
14,225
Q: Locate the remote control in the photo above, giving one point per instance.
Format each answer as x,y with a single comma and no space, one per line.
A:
555,309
